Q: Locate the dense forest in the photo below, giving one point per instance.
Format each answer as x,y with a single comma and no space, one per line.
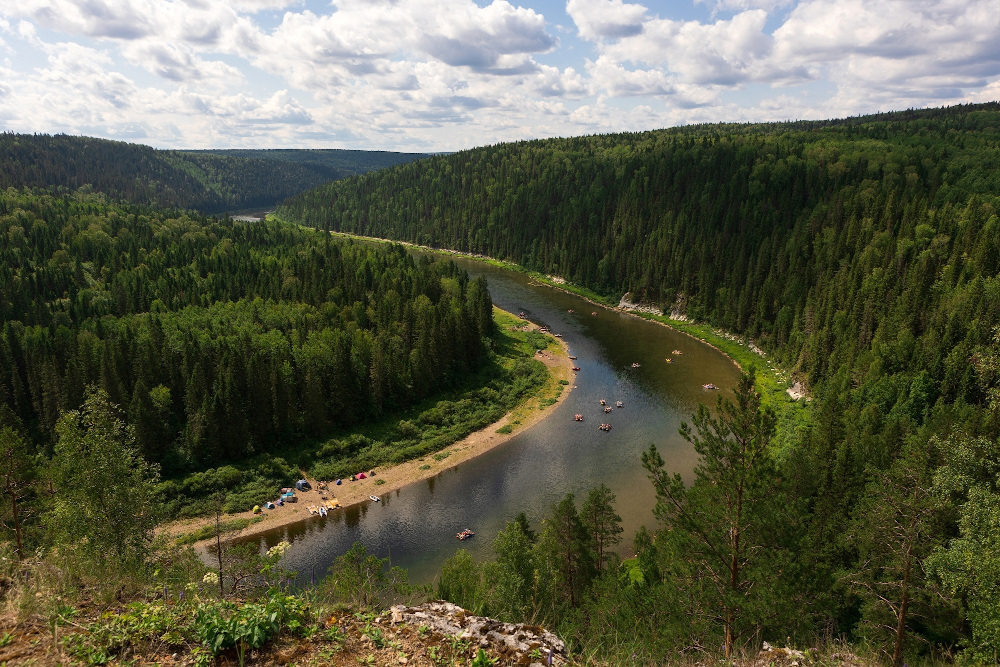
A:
863,255
220,339
207,181
330,164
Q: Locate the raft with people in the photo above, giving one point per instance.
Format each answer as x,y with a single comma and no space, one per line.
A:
465,534
604,427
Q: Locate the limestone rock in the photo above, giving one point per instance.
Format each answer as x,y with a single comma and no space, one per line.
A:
517,642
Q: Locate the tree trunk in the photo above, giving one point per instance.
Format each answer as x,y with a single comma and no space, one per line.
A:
897,651
17,526
218,551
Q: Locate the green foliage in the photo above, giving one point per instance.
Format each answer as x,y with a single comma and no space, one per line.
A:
725,530
248,626
969,564
461,582
104,508
226,342
364,580
894,530
210,181
602,523
17,474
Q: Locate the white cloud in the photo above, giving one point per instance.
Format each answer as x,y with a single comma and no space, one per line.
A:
606,19
725,52
178,62
743,5
444,74
892,54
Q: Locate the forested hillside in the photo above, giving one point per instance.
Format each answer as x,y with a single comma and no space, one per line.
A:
863,255
329,164
207,181
220,339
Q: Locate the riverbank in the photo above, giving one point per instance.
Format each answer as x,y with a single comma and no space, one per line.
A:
789,399
558,385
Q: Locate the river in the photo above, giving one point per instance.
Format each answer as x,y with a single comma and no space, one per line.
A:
416,525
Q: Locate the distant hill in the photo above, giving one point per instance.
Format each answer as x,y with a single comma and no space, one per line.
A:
330,163
207,181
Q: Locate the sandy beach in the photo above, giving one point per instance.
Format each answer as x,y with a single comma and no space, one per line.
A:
389,479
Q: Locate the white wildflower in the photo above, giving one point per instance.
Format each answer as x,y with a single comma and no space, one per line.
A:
279,549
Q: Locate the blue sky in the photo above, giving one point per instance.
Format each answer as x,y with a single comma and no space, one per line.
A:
442,75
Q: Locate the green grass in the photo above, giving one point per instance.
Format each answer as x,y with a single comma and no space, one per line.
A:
205,532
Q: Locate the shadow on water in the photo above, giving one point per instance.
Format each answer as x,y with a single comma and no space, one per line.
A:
416,526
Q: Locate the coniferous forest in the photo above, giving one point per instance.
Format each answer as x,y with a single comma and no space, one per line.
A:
207,181
148,355
863,255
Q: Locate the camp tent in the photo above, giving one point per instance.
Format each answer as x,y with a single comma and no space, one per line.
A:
361,475
269,505
338,482
256,509
302,485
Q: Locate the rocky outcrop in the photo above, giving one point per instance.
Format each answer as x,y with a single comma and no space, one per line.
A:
627,304
513,643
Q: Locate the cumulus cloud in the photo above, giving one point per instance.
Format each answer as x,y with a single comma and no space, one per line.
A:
178,62
444,74
743,5
891,53
606,19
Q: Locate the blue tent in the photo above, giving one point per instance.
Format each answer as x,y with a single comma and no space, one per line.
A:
302,485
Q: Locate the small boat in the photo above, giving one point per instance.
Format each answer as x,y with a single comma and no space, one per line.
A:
603,402
576,368
322,510
635,365
709,386
669,360
676,352
570,310
594,313
572,358
619,404
557,335
607,409
465,534
375,499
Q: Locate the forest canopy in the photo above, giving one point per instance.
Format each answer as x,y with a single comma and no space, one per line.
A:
220,338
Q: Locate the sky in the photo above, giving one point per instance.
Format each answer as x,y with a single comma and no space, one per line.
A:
443,75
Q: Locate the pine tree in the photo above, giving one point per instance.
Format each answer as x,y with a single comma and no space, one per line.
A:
725,525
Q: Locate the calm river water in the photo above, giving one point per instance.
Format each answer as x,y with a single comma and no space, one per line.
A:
416,525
